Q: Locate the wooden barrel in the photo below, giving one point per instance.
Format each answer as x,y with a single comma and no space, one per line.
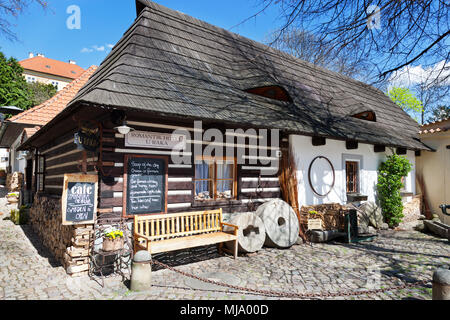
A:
281,224
251,233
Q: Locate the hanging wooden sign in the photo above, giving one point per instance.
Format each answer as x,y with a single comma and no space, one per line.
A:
86,141
158,140
79,200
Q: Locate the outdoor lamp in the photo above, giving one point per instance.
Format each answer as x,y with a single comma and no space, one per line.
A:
124,129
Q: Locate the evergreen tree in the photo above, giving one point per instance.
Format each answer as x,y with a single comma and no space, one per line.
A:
14,90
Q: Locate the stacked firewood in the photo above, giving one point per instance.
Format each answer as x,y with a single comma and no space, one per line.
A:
76,257
332,215
14,181
68,244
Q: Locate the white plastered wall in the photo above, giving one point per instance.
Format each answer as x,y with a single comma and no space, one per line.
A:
16,165
336,152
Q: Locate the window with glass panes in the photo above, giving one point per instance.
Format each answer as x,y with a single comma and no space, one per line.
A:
40,172
352,176
215,178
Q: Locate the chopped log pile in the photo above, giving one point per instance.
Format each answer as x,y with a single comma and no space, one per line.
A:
412,210
332,215
14,182
68,244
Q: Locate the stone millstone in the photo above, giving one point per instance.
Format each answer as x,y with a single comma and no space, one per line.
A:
251,233
370,214
281,223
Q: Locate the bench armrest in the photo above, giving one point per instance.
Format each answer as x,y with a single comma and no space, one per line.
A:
229,225
138,236
236,228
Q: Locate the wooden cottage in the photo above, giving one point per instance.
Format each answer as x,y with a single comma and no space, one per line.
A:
185,85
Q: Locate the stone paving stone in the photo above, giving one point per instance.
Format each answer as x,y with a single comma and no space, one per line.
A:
331,267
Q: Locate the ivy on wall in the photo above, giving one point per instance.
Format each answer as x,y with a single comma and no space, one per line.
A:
390,183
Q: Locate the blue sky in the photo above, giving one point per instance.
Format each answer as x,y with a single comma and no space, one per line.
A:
104,22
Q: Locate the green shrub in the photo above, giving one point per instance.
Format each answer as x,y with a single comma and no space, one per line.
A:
390,176
15,216
20,217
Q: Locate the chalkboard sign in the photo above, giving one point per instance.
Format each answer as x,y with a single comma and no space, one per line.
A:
145,180
79,202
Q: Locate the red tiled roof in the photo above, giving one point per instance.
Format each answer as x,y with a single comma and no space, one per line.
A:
40,115
30,131
54,67
438,126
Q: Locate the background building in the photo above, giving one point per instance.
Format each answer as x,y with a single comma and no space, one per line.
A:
433,168
4,159
41,69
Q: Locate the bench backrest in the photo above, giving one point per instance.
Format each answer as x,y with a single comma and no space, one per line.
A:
165,226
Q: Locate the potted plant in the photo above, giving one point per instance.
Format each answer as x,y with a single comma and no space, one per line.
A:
112,239
12,197
315,220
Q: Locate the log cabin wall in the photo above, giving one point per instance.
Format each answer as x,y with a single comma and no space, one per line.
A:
180,176
68,244
61,157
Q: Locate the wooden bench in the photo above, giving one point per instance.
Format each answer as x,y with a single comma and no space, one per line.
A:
169,232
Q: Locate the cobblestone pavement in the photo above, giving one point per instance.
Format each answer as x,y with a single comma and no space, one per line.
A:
28,272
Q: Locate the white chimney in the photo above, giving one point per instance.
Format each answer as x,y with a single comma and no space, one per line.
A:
72,62
30,55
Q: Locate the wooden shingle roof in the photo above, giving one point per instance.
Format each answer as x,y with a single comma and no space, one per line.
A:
175,65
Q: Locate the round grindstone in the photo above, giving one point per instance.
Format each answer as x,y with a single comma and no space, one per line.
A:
251,232
280,222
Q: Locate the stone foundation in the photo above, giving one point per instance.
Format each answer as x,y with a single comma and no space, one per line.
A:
68,244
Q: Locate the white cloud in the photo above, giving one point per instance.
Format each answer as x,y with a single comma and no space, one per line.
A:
98,48
410,76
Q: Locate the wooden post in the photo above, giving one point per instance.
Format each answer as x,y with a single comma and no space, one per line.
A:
351,145
319,141
84,163
379,148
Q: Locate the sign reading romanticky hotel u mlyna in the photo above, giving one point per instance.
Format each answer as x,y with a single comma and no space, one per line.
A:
158,140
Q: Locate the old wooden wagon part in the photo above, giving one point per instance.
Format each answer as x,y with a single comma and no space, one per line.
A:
170,232
351,229
281,223
438,228
251,232
310,180
105,263
444,208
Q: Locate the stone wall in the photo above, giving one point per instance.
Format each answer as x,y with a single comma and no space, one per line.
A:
68,244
